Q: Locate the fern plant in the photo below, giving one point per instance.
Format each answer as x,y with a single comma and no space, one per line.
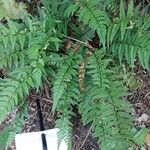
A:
60,48
11,9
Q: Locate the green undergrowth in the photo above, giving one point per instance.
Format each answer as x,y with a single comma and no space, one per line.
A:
79,48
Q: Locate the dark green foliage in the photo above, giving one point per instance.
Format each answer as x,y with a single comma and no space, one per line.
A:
65,75
9,132
128,35
108,113
90,14
54,46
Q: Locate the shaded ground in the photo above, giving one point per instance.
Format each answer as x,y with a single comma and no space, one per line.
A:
141,97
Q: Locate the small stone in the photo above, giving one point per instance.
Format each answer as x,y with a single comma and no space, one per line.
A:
143,148
143,118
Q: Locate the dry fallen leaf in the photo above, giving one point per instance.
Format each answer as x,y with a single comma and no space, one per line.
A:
147,139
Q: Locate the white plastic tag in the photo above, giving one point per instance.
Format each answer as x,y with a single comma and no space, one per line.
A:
32,141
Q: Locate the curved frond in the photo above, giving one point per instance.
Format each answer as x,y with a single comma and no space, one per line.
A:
12,92
134,44
91,15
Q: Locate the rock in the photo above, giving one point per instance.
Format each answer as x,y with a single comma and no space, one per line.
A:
143,118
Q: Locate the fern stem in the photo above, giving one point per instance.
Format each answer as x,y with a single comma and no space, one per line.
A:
79,41
88,133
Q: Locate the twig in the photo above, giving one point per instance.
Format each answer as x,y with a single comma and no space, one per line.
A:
46,99
148,1
86,137
46,88
32,102
78,41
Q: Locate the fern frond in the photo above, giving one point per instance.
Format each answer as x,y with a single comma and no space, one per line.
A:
38,72
134,39
11,33
123,21
37,43
13,90
71,9
134,44
68,99
65,129
91,15
64,107
108,114
94,17
96,70
65,74
12,40
122,124
9,132
11,57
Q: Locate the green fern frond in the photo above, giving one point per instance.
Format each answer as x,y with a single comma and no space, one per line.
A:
122,124
122,22
65,74
64,107
94,17
9,132
11,58
10,33
12,40
96,70
38,72
108,113
12,91
68,82
131,46
71,9
134,39
65,129
91,15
